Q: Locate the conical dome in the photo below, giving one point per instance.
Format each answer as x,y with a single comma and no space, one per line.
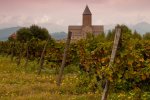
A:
87,11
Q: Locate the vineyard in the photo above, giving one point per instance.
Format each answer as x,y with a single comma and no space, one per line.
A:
87,65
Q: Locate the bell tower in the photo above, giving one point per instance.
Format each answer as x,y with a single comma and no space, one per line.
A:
81,31
87,17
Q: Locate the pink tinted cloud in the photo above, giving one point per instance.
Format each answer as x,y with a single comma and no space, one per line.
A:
131,4
52,4
71,10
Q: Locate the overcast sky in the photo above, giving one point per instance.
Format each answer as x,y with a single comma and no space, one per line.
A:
69,12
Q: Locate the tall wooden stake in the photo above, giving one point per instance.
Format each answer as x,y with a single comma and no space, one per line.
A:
27,54
20,54
42,57
113,54
64,59
12,50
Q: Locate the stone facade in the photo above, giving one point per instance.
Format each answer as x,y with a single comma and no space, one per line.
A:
79,32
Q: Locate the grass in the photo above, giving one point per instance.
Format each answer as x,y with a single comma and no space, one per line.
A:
23,83
18,82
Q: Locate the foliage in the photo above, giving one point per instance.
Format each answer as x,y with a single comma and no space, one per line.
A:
23,83
137,35
38,32
110,35
26,34
131,68
146,36
11,38
130,71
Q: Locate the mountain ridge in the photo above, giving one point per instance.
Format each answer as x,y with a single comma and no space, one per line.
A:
141,28
6,32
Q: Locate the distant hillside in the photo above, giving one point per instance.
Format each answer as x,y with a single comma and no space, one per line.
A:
142,27
59,35
5,33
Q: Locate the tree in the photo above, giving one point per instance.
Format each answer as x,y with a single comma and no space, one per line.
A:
39,33
24,35
125,29
101,37
110,35
136,35
11,38
146,36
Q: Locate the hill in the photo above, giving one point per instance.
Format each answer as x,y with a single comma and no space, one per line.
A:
59,35
142,27
5,33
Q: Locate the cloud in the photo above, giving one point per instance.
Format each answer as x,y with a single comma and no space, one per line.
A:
130,5
60,22
23,20
69,12
42,20
5,19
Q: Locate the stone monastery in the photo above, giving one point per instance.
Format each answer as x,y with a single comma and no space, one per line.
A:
79,32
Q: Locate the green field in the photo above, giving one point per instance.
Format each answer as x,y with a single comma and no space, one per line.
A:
23,83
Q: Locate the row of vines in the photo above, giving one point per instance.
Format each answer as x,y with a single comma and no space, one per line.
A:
130,70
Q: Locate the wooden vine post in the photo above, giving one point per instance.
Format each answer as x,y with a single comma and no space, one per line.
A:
20,53
113,54
12,50
42,56
64,59
27,54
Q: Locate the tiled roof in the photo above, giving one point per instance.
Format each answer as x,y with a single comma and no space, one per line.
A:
98,27
75,27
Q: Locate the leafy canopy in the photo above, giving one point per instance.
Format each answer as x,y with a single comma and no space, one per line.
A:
26,34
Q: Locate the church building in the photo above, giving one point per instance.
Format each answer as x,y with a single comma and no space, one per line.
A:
79,32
